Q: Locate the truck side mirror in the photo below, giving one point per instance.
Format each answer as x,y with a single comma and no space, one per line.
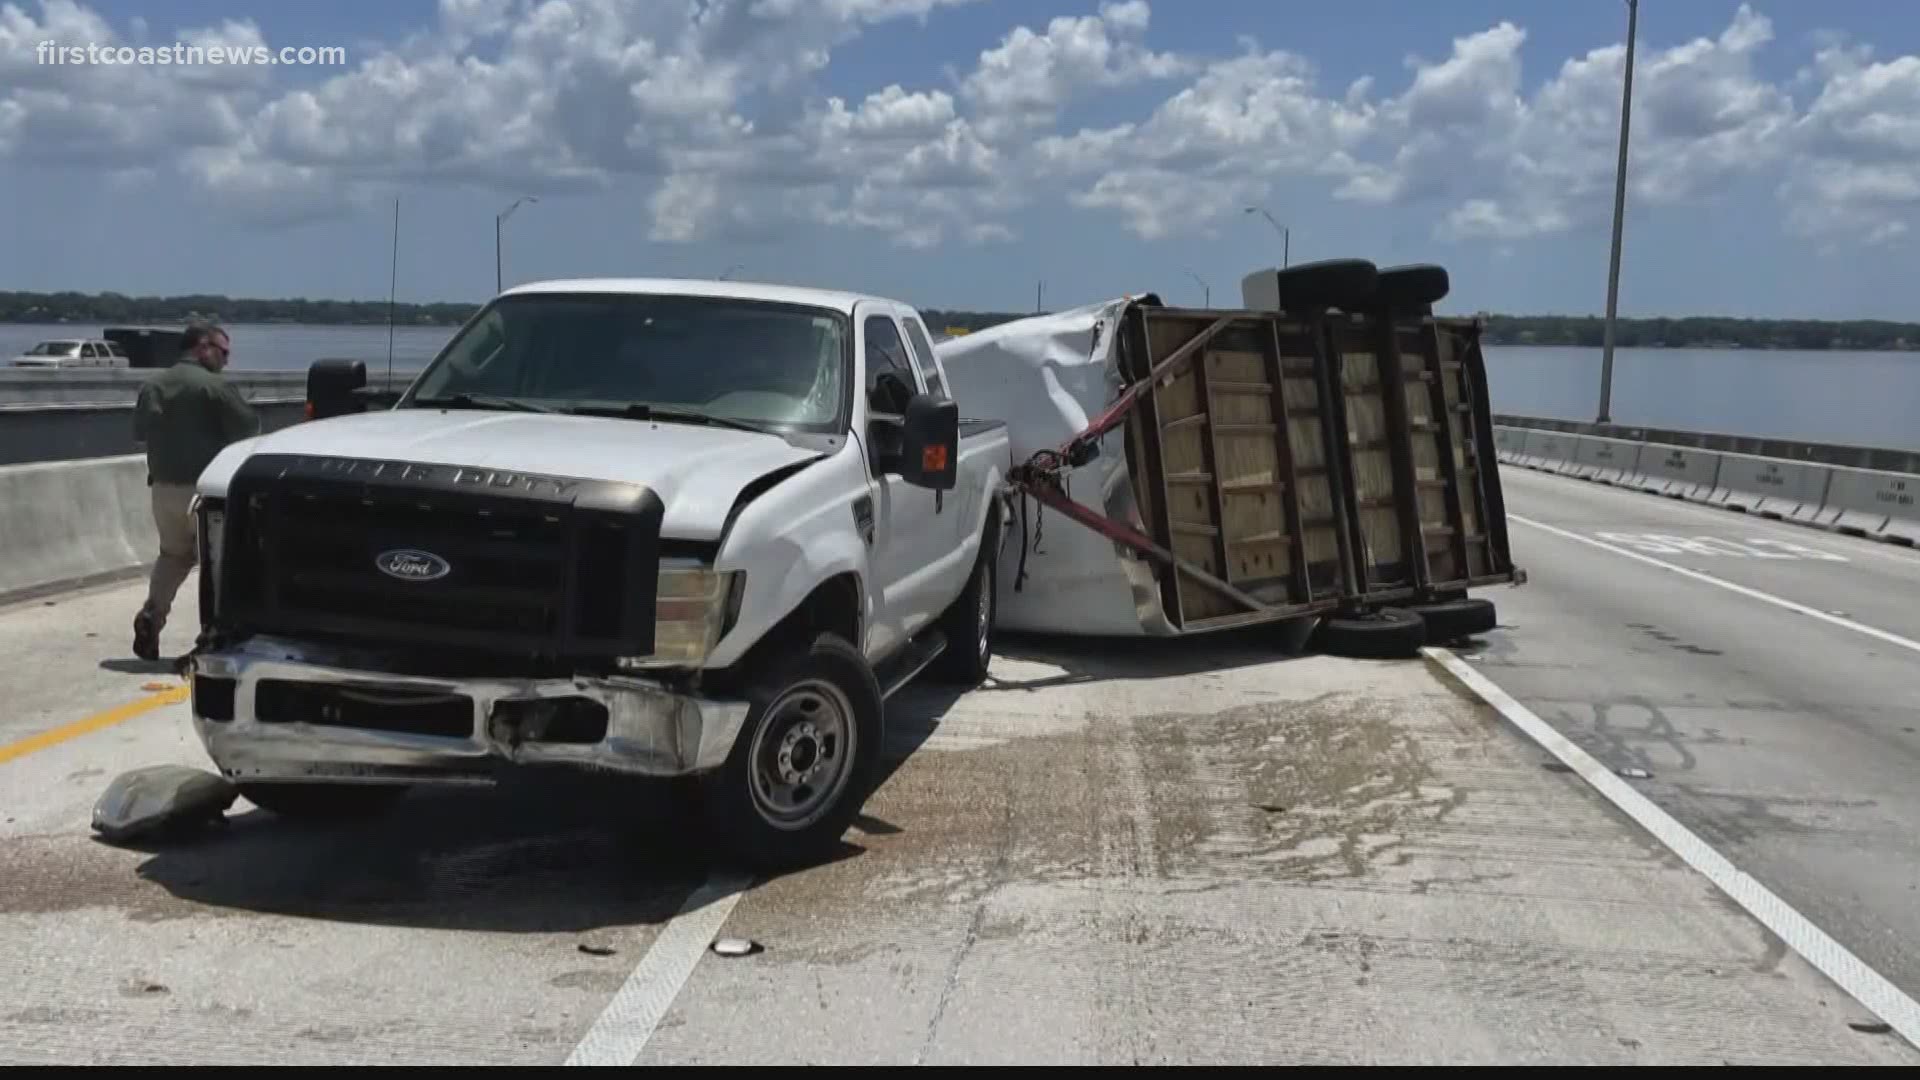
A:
930,442
333,388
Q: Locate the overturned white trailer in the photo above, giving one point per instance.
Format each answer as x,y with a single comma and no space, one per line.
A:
1325,451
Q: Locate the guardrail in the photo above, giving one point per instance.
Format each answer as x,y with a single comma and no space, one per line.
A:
1875,503
70,414
1878,458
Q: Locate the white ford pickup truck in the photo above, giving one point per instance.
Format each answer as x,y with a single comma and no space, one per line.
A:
656,528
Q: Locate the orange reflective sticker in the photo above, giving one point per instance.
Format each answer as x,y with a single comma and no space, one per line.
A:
933,459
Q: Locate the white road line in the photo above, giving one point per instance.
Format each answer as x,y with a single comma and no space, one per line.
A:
1755,594
1833,959
628,1021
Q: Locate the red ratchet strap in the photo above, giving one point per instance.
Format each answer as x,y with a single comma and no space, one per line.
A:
1040,476
1124,404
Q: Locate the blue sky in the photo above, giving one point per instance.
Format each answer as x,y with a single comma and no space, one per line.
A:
954,152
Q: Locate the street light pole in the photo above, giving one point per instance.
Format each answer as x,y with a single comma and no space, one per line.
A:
498,219
1206,290
1619,214
1286,234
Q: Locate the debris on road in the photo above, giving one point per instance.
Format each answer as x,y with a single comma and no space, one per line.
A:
161,799
1634,773
594,948
733,946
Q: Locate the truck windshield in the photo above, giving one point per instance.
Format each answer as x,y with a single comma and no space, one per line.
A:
645,355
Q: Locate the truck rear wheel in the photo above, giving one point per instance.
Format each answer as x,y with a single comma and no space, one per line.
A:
804,761
968,624
323,802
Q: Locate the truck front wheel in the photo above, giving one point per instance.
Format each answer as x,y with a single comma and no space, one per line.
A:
805,760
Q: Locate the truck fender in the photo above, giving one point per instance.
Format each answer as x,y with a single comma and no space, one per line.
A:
783,574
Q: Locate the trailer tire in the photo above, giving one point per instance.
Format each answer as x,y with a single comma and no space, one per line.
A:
323,802
1453,620
1413,287
968,624
1310,288
815,722
1384,634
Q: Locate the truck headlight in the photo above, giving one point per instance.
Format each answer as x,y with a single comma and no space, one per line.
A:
693,606
212,529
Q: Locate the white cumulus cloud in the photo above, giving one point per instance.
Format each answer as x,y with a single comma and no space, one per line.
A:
711,113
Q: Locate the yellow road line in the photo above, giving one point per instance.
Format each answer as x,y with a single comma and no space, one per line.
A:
96,722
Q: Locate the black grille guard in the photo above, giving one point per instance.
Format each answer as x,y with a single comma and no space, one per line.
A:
458,556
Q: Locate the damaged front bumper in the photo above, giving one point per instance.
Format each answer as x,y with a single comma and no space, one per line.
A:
275,710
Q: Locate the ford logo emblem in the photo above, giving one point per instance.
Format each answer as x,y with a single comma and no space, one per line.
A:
408,564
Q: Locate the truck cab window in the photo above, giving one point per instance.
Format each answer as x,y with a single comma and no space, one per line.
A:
886,353
923,349
782,365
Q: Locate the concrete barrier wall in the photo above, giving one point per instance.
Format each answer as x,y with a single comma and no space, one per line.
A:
1885,506
1551,450
1883,459
1608,461
72,414
1770,488
1678,472
70,523
120,386
1863,502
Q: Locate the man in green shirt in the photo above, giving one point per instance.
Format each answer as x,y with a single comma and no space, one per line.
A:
185,416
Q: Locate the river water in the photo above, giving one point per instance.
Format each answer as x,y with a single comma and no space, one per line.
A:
1865,398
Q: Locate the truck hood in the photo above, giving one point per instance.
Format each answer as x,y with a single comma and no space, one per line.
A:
697,471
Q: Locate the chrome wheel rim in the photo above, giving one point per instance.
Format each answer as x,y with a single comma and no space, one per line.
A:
802,754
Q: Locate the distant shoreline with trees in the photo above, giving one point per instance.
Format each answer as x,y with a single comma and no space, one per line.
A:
1577,331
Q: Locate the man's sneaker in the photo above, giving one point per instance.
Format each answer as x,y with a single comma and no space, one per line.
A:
146,637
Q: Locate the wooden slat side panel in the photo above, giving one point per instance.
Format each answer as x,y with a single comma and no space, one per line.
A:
1429,474
1258,549
1472,507
1306,436
1449,555
1382,544
1150,490
1183,450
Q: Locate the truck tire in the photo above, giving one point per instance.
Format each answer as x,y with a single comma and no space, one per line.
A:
968,624
804,761
1452,620
323,802
1385,634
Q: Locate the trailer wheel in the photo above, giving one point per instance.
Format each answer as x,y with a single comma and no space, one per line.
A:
1310,288
1383,634
1417,285
1452,620
323,802
803,763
